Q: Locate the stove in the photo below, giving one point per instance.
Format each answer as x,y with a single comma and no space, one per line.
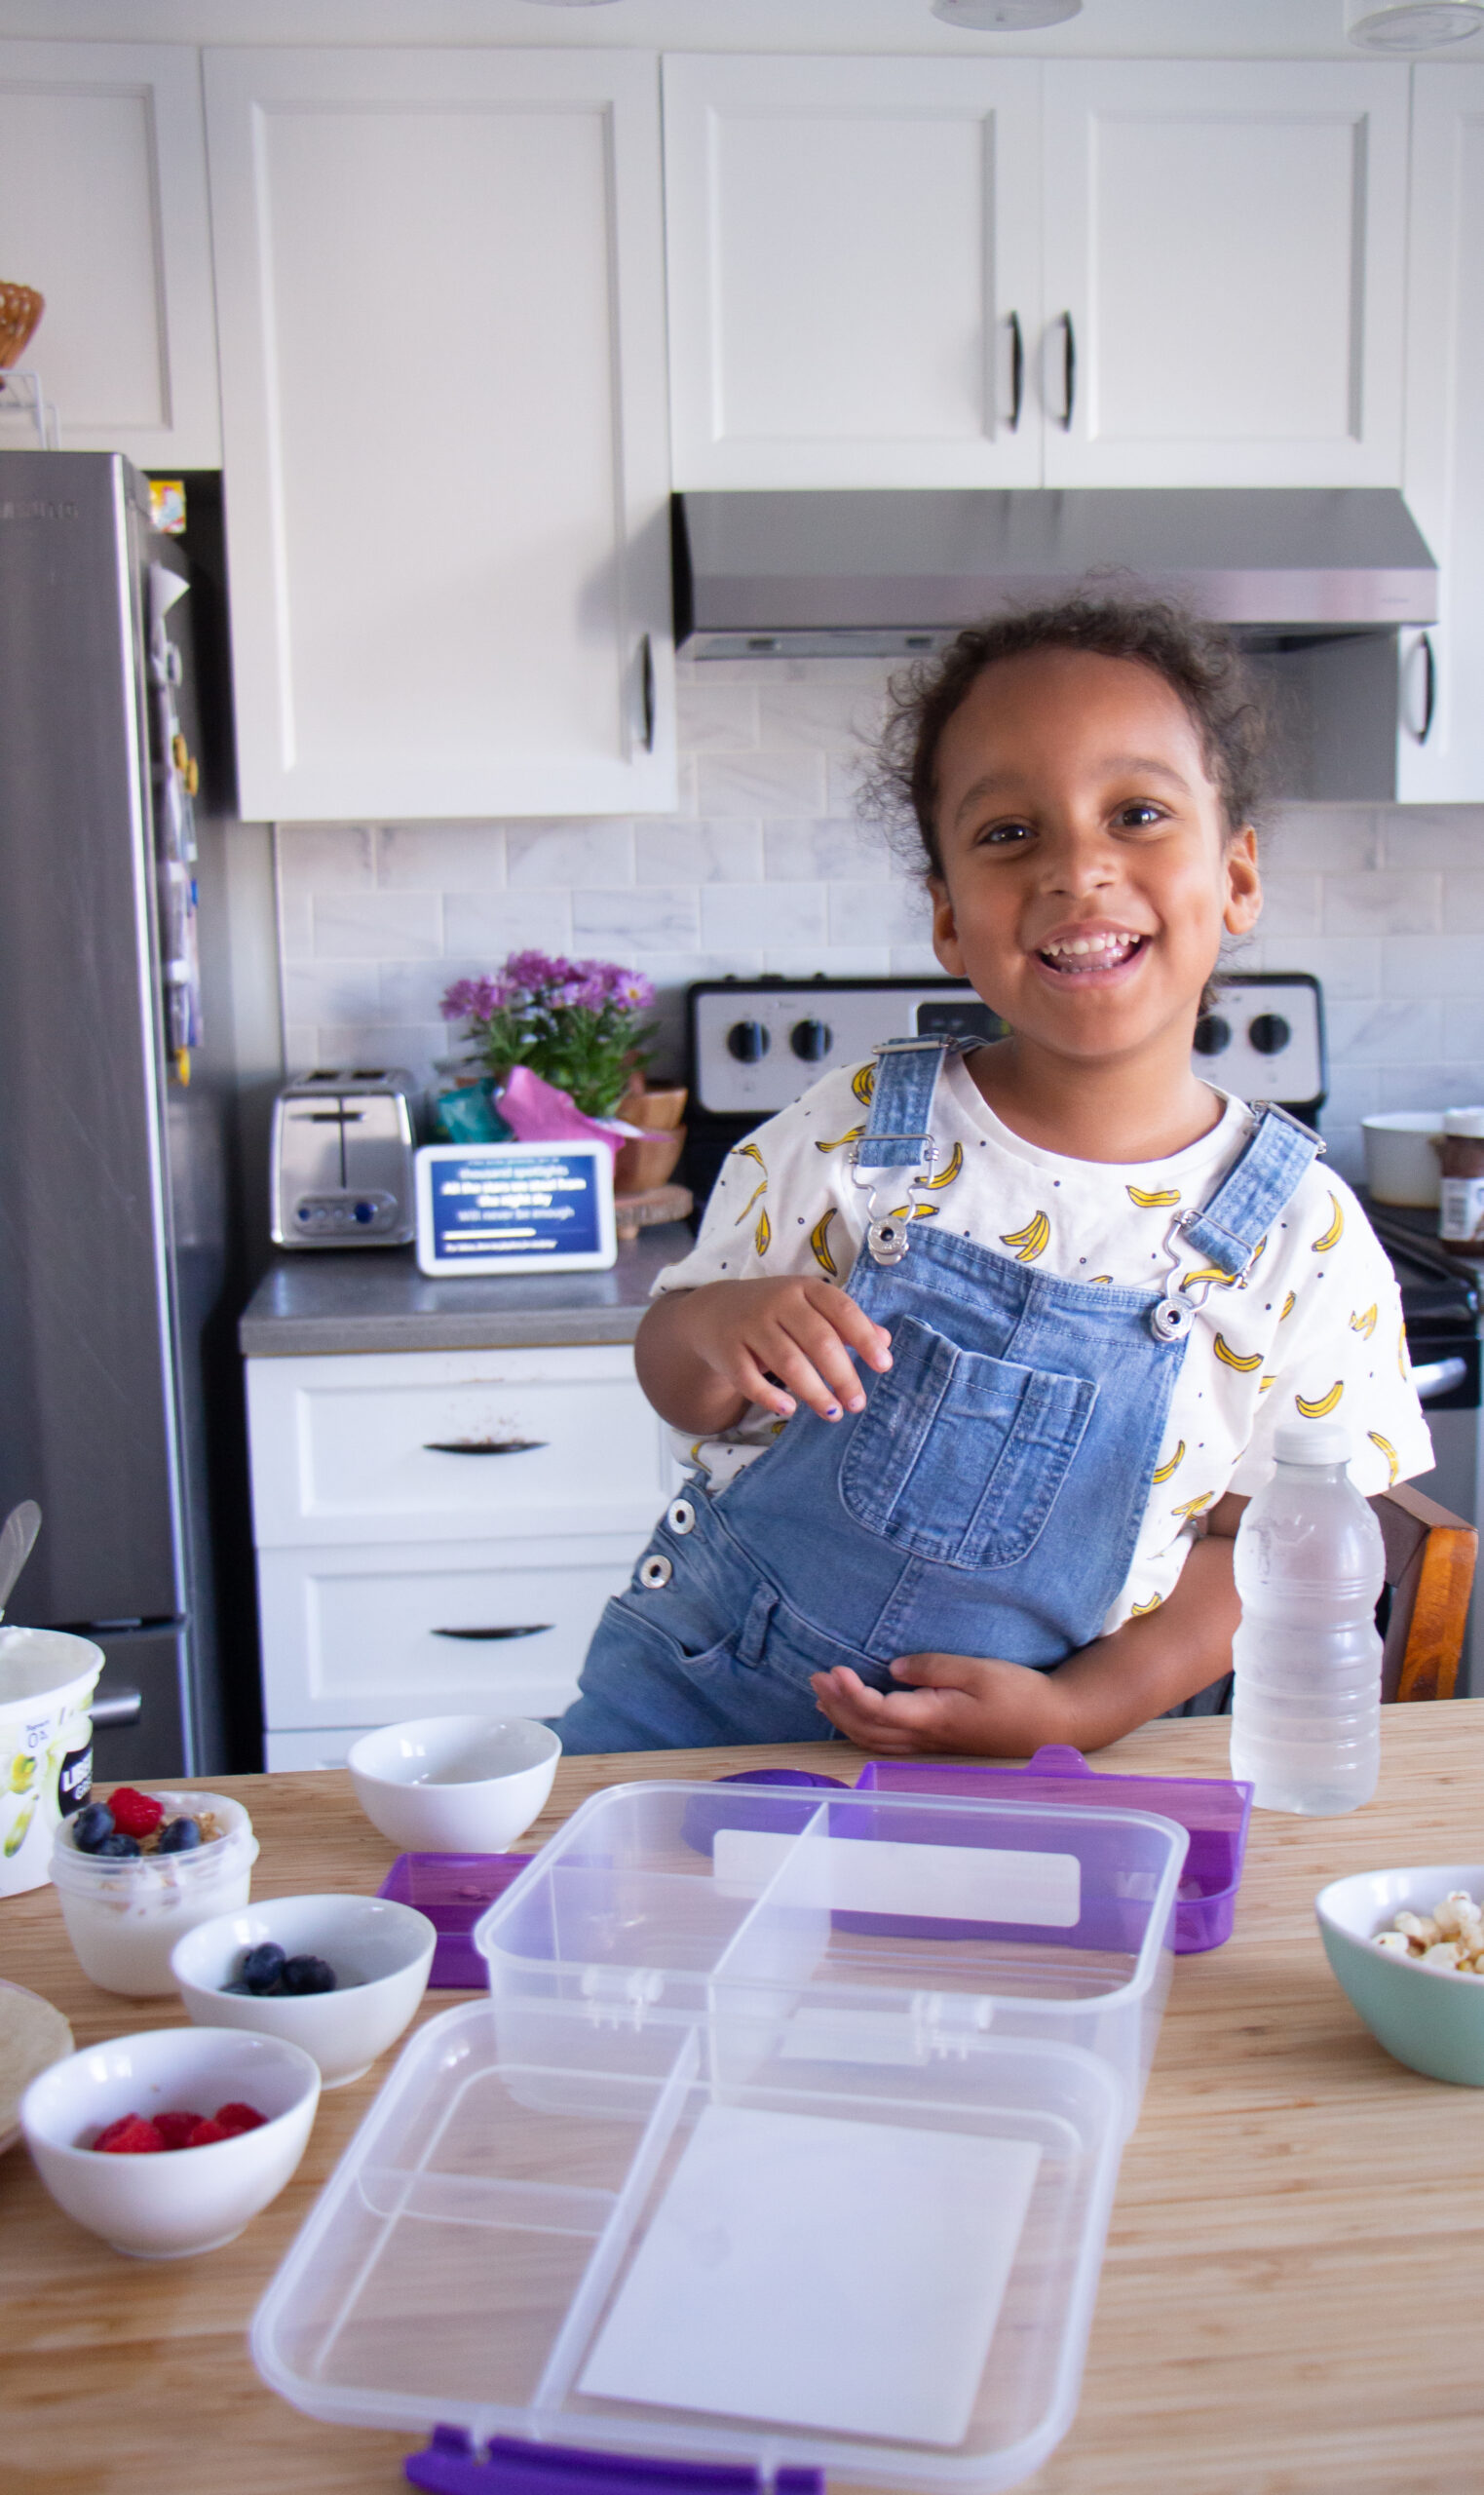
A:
754,1045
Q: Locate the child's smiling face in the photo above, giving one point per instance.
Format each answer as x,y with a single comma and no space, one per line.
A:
1086,870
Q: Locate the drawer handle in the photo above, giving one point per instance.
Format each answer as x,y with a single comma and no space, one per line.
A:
483,1446
537,1629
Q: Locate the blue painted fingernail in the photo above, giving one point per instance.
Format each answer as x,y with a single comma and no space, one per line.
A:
832,1412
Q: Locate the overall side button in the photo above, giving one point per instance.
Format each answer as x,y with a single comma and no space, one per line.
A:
655,1571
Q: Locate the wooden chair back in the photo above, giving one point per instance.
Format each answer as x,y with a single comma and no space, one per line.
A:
1431,1558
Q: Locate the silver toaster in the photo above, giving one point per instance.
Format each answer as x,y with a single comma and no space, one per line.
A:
342,1159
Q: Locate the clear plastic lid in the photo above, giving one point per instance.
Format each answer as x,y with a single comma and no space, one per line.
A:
1464,1122
786,2139
1312,1443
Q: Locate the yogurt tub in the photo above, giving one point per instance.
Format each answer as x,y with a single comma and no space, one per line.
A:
125,1913
45,1746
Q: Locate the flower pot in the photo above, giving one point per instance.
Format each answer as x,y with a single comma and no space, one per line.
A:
646,1161
658,1112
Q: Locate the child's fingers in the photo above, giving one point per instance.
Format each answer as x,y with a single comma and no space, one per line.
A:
804,1349
851,1324
896,1721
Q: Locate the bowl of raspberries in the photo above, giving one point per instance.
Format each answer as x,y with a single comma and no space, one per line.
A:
134,1872
167,2142
340,1975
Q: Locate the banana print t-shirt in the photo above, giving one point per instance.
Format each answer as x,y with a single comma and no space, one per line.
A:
1315,1331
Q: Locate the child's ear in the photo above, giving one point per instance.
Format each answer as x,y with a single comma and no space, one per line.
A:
945,933
1244,883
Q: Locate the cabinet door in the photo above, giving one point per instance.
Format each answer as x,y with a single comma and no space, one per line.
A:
103,211
440,284
853,250
1441,754
1224,246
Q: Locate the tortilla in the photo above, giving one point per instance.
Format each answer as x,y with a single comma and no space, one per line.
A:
32,2036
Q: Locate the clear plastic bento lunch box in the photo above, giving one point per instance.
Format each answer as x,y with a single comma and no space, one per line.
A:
785,2141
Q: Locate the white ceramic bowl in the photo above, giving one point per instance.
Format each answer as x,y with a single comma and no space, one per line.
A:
178,2200
454,1784
1431,2020
380,1950
1401,1167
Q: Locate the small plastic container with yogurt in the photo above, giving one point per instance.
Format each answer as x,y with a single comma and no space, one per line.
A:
125,1913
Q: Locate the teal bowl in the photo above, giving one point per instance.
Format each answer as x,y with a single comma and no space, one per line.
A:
1425,2016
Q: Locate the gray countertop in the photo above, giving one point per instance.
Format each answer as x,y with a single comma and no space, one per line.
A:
374,1300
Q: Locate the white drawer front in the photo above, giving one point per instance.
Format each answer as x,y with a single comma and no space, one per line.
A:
434,1446
356,1637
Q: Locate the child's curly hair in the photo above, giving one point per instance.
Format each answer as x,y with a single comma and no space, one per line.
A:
1200,662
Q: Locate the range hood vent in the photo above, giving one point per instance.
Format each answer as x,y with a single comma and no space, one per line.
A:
809,575
1315,586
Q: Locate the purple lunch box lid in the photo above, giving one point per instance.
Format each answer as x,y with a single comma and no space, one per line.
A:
453,1890
452,2465
1213,1810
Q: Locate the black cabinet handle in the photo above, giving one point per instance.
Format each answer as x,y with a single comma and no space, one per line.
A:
1429,689
647,691
1017,371
489,1636
483,1446
1068,370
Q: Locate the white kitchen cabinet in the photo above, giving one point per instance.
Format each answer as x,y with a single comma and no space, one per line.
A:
438,1532
854,276
1225,252
441,296
103,211
1442,737
1205,274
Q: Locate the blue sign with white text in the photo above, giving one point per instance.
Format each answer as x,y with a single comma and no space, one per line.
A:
536,1208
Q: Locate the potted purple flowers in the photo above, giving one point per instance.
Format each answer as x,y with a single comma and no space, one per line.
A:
577,1025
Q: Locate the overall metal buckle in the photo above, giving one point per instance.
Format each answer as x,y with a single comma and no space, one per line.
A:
1171,1320
887,1232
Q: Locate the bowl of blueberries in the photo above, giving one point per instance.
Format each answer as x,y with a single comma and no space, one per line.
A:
340,1975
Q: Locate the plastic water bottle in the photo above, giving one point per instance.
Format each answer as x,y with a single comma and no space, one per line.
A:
1305,1705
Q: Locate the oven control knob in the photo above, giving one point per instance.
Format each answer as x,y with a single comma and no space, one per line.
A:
1212,1035
748,1042
812,1040
1269,1033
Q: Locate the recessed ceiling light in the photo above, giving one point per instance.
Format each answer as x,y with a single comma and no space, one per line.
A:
1412,26
1005,16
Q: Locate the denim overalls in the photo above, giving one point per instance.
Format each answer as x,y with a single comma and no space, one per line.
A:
986,1502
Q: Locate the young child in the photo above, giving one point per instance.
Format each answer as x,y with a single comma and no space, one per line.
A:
978,1357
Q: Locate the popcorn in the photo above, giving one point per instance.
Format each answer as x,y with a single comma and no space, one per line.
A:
1450,1939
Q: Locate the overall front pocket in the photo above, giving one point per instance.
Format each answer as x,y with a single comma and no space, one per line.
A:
958,1457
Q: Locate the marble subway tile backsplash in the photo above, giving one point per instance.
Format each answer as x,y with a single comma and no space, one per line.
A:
765,868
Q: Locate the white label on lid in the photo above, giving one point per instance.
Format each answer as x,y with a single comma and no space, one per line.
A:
749,2295
947,1883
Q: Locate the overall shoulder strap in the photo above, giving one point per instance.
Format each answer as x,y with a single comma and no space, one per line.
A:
897,1133
1229,1230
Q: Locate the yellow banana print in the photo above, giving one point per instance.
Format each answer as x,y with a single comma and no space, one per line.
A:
1031,1241
1389,1451
863,1084
819,1240
1147,1199
1265,1382
1100,1278
1287,1307
1140,1609
1229,1359
1331,1236
1165,1470
1192,1506
1365,1323
1323,1405
919,1213
1403,1356
750,1152
853,1135
1205,1274
762,1237
760,1189
949,1171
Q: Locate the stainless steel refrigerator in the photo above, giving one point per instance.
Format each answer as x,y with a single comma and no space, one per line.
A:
119,1391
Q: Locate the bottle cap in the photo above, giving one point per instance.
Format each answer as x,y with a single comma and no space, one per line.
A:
1312,1443
1464,1122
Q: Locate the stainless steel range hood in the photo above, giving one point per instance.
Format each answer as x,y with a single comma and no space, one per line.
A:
1316,582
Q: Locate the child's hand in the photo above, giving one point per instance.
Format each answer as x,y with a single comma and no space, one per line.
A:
785,1342
950,1702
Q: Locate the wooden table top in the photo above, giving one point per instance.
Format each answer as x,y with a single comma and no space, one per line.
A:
1290,2299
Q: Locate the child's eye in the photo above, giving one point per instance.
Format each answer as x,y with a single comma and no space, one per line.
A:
1139,814
1001,836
